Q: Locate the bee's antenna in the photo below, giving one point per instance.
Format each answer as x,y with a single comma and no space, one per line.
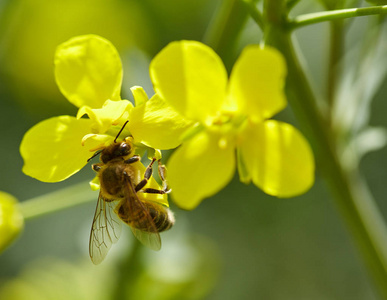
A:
94,155
123,126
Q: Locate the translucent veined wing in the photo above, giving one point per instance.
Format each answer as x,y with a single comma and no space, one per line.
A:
150,239
135,213
105,230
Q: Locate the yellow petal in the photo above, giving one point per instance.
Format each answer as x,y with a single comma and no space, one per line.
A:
11,220
139,95
102,140
95,184
157,124
257,81
52,149
191,77
200,168
112,113
278,158
88,71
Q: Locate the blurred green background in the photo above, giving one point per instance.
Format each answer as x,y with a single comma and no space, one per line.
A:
240,244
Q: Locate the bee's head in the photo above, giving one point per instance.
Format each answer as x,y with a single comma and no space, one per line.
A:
116,150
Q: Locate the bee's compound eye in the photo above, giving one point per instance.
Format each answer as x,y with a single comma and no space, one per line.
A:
125,148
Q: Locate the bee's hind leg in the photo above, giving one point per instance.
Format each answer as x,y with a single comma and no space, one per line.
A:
155,191
163,175
148,174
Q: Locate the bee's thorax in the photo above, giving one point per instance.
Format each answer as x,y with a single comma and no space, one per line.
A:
112,178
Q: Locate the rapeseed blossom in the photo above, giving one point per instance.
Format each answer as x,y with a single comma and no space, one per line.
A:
231,123
88,72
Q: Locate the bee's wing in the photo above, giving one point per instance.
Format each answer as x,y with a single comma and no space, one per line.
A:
105,230
150,236
150,239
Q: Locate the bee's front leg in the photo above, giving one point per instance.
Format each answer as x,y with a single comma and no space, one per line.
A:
133,159
96,167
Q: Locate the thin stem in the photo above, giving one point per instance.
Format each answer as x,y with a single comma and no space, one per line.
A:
336,49
254,13
355,204
325,16
65,198
290,4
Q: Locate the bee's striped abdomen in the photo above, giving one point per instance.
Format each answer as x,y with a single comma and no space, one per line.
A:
161,216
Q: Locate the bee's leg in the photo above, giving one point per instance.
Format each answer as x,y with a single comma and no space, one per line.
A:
155,191
163,174
96,167
147,175
133,159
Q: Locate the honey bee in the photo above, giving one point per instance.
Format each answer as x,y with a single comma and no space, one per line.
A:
120,186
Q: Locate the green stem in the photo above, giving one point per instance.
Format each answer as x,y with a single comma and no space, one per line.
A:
290,4
357,207
336,49
58,200
313,18
254,13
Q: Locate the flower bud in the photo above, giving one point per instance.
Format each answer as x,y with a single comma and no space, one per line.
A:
11,220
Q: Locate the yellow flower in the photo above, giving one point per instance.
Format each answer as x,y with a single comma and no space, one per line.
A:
89,74
232,126
11,220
